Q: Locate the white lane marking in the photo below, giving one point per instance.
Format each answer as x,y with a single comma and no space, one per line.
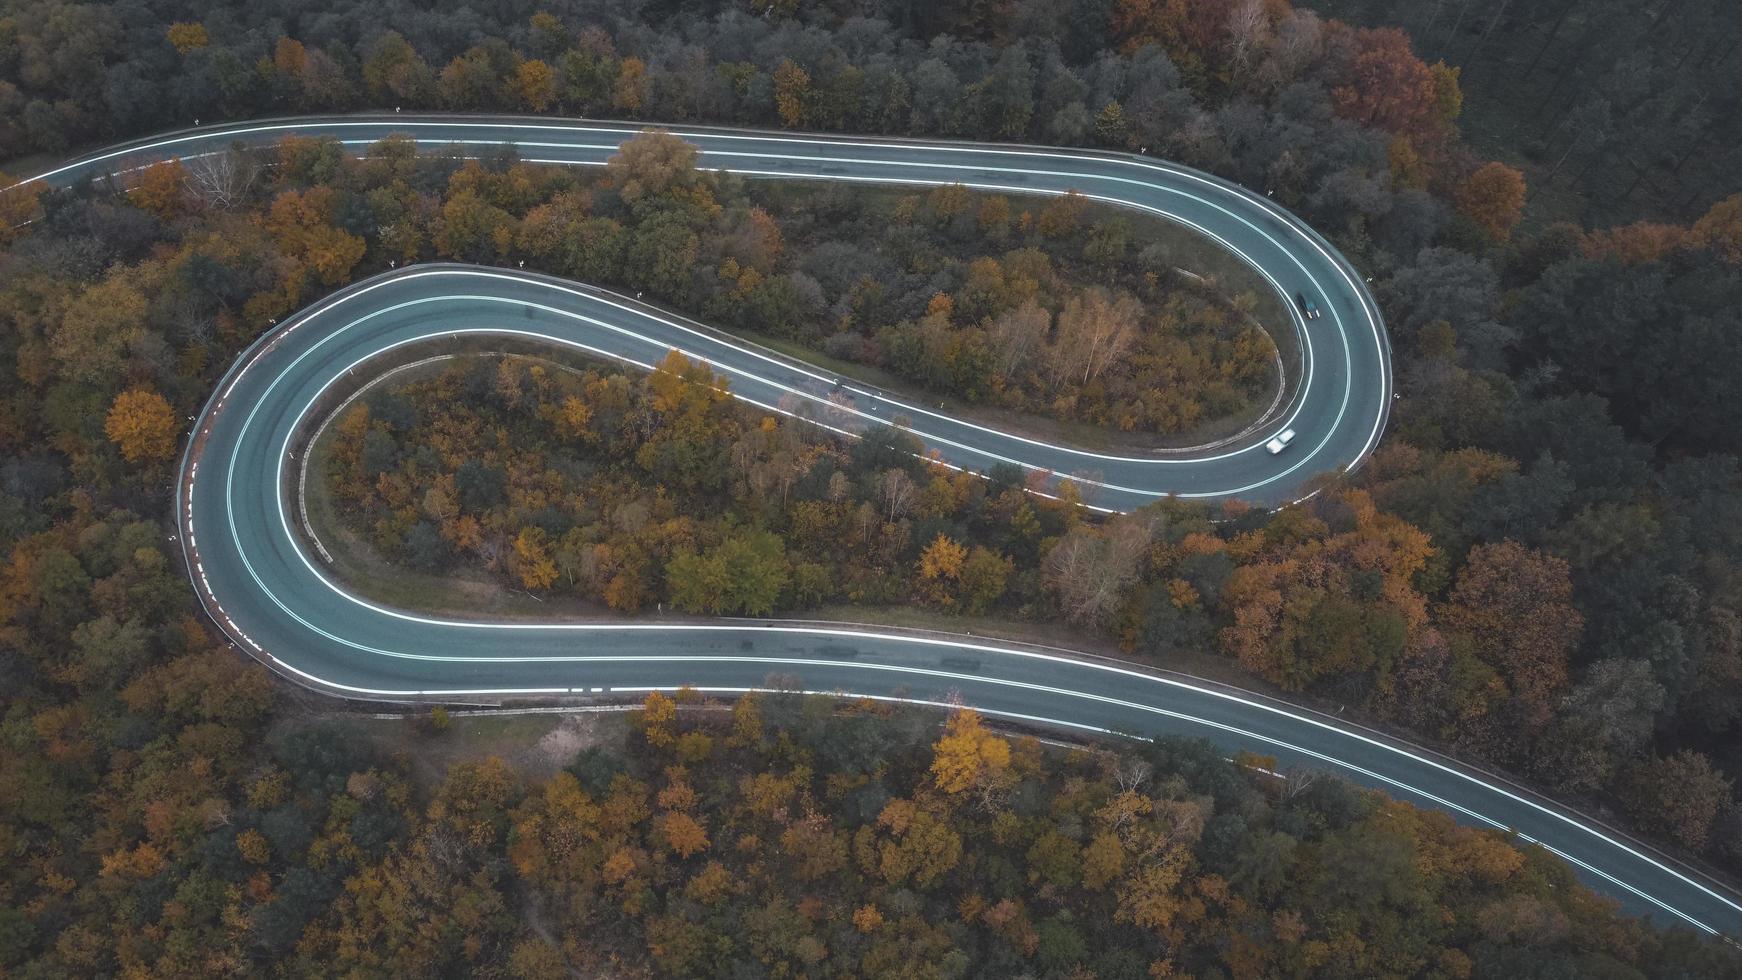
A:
1289,220
1378,777
1378,424
980,647
654,626
727,345
1227,189
1295,319
1177,715
1364,304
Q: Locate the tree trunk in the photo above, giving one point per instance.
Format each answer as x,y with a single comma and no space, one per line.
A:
1427,31
1470,59
1452,35
1693,148
1553,32
1638,176
1577,139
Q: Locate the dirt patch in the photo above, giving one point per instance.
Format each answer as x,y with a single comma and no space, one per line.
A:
559,746
535,744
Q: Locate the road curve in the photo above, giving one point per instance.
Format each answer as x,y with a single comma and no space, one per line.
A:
1337,408
259,583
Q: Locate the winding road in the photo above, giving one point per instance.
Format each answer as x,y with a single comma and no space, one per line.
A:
261,584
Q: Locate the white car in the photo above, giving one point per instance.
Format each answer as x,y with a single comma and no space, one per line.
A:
1281,441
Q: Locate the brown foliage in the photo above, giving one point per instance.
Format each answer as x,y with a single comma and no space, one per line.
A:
1493,197
1515,605
1386,85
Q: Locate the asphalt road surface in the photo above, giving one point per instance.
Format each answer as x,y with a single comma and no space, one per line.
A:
263,586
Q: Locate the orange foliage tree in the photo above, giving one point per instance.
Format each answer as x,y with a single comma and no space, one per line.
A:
1515,606
162,188
683,834
1493,197
792,92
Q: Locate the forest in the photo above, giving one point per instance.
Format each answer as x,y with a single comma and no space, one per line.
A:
1609,132
1539,568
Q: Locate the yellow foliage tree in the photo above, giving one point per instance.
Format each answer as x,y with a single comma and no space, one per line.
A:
630,92
791,92
573,417
1103,861
533,561
536,82
940,568
710,885
942,559
186,37
968,756
658,715
252,844
301,225
17,206
143,424
746,723
923,848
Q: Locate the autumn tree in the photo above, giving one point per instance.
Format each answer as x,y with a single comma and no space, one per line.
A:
301,222
630,91
652,162
1095,330
18,203
921,847
1514,605
1063,215
1386,85
1493,197
472,229
1641,241
534,564
792,92
185,37
867,919
143,424
940,568
1143,846
1679,796
968,757
683,834
162,188
535,83
1719,229
1091,568
657,719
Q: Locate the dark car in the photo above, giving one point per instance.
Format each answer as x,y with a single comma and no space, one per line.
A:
1308,307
